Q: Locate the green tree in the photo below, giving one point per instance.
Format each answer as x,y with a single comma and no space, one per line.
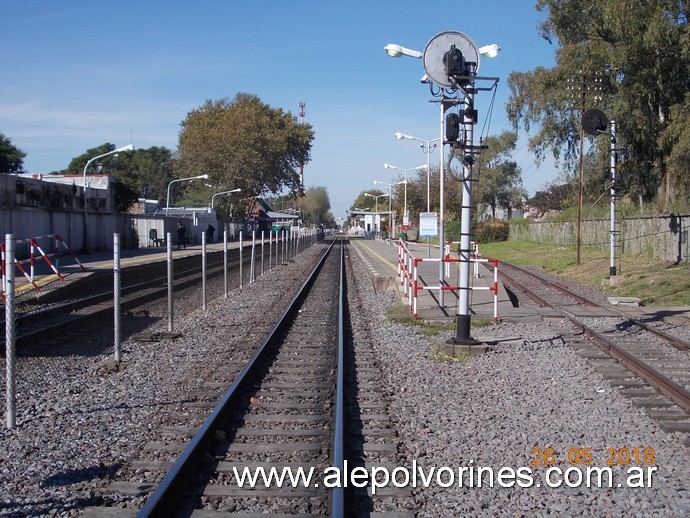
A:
149,171
11,157
633,55
554,196
113,165
316,206
244,144
499,178
140,173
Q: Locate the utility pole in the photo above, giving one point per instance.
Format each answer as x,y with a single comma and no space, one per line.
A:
580,88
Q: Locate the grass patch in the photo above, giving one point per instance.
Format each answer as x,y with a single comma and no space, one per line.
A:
438,355
654,282
400,314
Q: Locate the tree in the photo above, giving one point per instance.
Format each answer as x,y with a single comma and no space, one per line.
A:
676,141
636,53
11,157
244,144
499,178
113,165
555,196
139,173
149,172
316,206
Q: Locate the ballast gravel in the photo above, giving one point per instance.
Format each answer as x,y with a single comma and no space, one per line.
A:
527,400
80,423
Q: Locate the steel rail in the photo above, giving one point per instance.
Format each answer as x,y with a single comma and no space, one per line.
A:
162,501
676,342
665,385
338,494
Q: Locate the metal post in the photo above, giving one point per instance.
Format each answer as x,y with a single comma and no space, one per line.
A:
579,194
10,336
32,257
612,158
428,192
441,230
270,248
241,254
2,267
463,317
169,243
203,270
117,282
262,252
252,260
225,262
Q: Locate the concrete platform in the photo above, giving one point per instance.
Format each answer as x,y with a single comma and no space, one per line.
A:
45,279
381,258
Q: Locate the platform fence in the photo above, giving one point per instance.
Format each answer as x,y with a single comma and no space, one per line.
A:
408,272
203,274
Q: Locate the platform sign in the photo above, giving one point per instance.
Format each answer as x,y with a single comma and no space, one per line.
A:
428,224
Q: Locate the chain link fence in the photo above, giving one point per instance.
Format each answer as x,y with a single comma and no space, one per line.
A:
57,304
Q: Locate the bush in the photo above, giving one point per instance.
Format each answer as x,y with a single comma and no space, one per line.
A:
491,231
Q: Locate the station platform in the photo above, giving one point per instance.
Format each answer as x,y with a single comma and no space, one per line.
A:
70,270
381,258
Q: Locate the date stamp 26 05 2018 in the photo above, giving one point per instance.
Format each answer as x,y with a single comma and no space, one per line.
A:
586,457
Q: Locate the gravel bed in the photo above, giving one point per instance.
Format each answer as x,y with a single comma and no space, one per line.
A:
80,423
495,410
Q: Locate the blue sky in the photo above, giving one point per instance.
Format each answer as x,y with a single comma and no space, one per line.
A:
80,73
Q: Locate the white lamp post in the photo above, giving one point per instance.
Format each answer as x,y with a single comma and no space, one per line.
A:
389,166
427,149
376,201
167,199
222,193
391,216
85,246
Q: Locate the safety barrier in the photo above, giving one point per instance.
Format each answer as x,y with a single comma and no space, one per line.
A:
31,261
475,254
409,278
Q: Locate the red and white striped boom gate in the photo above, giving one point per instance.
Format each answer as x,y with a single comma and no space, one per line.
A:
31,261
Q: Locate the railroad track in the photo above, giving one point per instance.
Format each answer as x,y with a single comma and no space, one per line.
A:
650,365
55,314
280,412
310,398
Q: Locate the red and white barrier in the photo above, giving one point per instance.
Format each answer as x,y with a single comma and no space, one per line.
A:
409,277
31,261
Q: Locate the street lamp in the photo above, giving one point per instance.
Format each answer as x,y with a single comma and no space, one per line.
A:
221,193
167,200
427,149
376,200
390,199
389,166
85,246
395,51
